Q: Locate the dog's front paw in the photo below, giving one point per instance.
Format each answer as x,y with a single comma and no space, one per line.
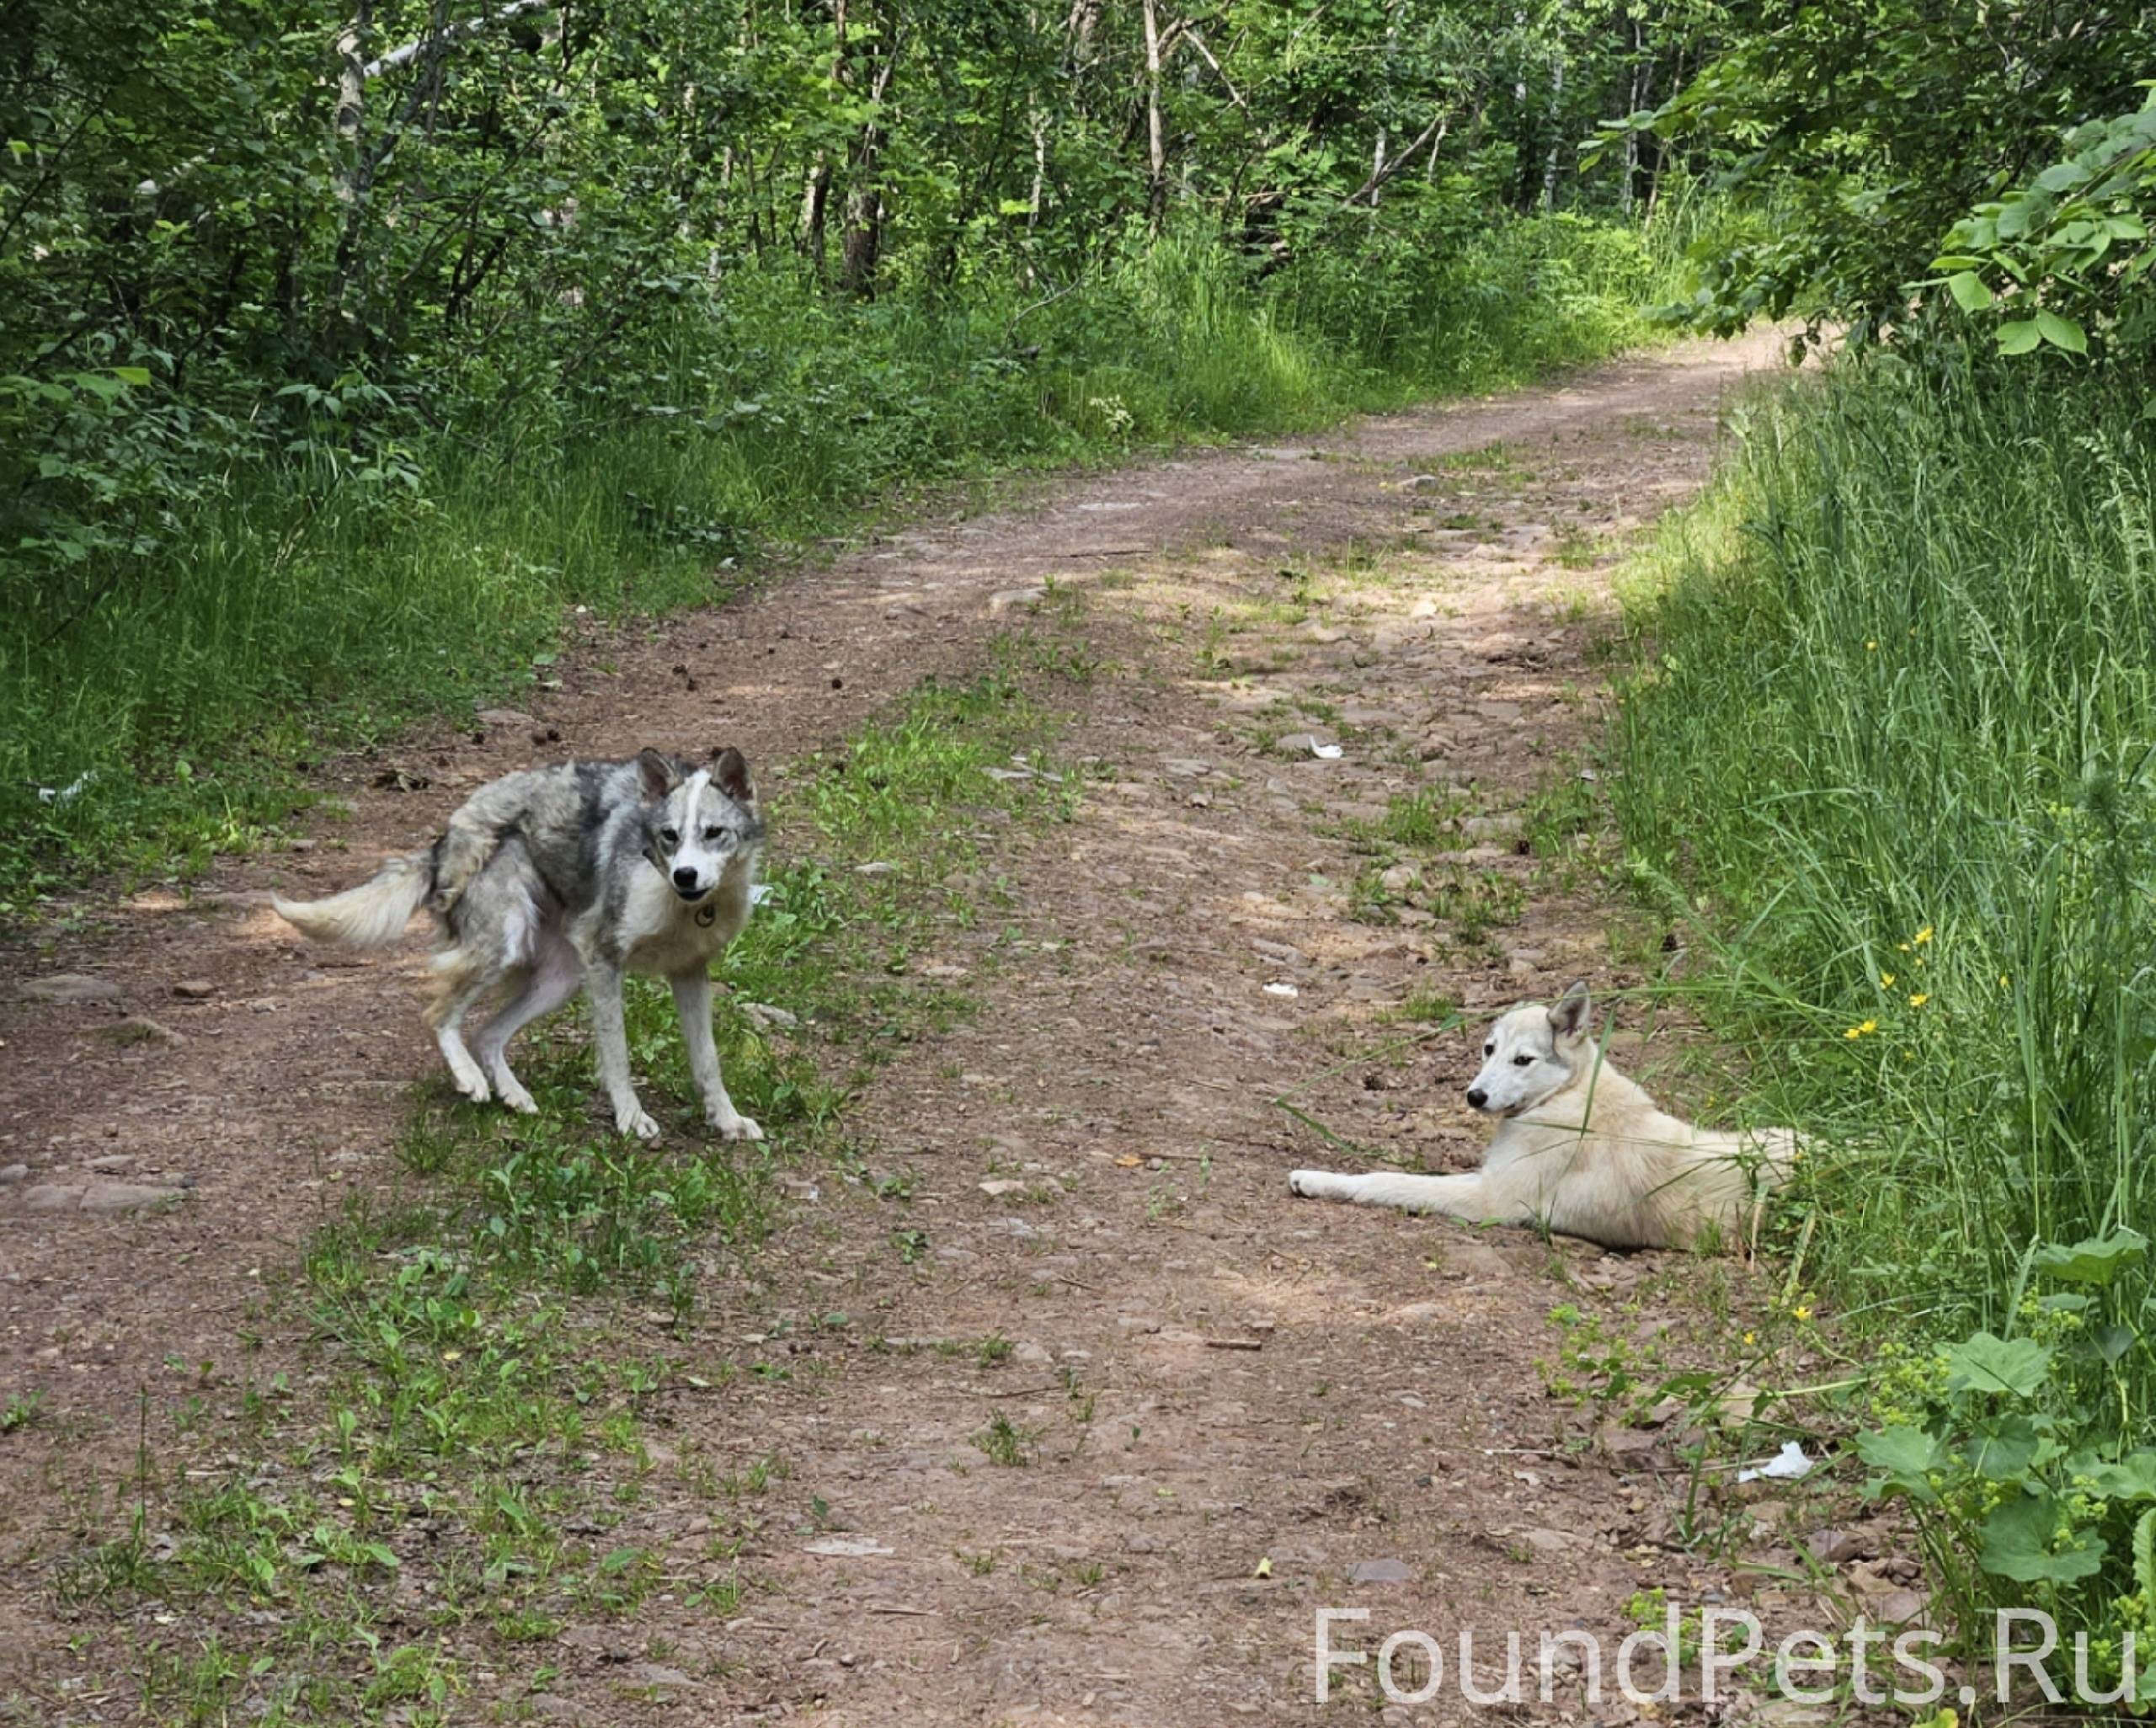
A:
636,1121
1310,1184
734,1126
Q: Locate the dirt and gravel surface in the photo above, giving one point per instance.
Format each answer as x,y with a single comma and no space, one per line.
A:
1231,1407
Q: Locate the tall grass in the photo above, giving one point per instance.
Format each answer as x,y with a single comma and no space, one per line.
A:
315,600
1891,746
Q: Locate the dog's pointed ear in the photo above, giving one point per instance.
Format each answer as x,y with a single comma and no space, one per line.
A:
1568,1018
729,772
657,773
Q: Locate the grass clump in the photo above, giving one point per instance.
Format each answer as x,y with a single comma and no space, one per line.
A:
1886,746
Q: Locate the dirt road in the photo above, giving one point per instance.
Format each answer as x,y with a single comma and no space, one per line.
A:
1219,1409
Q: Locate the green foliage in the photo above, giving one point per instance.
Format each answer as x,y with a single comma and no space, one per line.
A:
1885,749
1879,131
2075,238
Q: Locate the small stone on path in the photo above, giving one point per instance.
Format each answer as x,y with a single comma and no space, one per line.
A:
69,987
125,1197
506,719
1379,1571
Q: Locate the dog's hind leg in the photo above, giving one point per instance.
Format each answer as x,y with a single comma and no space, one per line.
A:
550,980
465,978
495,928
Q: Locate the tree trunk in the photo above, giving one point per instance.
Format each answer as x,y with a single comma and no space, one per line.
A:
1038,117
350,183
1557,133
1085,19
816,188
815,201
1156,143
1378,175
862,245
1635,102
1662,149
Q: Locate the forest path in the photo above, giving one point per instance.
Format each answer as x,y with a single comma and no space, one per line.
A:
1231,1407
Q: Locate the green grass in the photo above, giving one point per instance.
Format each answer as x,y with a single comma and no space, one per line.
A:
1887,749
492,1337
172,706
1011,1445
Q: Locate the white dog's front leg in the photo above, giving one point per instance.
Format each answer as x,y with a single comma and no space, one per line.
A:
1467,1196
611,1034
692,997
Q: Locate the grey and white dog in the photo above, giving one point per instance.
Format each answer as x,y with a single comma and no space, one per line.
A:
559,879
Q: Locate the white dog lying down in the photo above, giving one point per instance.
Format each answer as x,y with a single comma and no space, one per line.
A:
1584,1150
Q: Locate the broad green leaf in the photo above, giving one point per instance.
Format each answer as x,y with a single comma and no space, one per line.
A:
2019,336
1904,1457
2061,332
2002,1450
1969,291
2029,1539
1984,1363
2133,1477
131,374
2097,1260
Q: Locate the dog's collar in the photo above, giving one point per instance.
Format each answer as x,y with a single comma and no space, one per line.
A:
707,914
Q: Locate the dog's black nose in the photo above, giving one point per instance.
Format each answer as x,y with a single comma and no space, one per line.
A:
1477,1097
685,878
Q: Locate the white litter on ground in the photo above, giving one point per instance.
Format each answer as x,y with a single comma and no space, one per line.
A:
1785,1466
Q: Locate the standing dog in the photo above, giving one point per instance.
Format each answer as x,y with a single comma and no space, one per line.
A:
1582,1150
557,878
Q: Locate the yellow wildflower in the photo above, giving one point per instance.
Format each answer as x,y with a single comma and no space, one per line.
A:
1886,980
1919,999
1751,1337
1861,1029
1802,1311
1922,937
1870,647
2002,980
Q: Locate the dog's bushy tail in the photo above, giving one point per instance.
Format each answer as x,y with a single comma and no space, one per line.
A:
372,915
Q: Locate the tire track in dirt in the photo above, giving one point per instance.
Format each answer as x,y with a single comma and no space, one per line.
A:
1260,1380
